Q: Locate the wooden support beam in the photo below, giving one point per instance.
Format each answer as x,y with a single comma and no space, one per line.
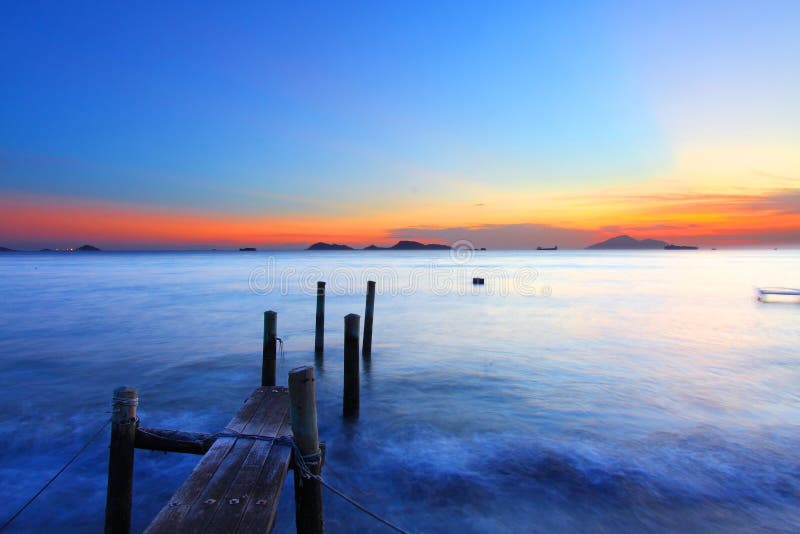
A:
120,461
366,349
270,343
350,398
319,334
159,439
309,517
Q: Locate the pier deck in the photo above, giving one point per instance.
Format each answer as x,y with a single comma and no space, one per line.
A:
237,484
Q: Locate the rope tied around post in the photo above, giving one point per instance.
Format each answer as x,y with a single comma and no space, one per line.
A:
303,463
125,401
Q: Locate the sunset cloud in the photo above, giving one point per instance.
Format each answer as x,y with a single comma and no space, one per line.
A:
36,221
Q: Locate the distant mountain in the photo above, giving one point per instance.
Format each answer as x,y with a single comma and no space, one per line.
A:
414,245
88,248
626,242
4,249
328,246
410,245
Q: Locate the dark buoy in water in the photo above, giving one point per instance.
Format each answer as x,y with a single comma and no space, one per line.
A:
477,281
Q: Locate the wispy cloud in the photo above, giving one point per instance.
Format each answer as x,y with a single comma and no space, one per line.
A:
525,235
783,201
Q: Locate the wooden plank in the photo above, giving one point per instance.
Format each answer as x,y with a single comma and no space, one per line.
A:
247,478
206,503
262,506
210,500
171,516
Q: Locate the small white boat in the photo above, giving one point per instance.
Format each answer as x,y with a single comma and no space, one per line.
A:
765,292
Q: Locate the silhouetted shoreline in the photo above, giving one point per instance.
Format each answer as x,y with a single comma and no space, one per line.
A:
400,245
626,242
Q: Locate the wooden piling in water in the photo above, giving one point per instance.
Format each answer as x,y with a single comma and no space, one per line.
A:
319,337
270,342
120,461
350,400
309,518
366,349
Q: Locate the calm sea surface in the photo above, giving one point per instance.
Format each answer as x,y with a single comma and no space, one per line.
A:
575,391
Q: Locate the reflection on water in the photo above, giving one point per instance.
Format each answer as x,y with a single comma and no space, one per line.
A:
648,391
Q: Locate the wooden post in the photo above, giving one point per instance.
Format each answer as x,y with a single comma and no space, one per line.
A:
270,341
350,401
120,461
309,518
366,349
319,337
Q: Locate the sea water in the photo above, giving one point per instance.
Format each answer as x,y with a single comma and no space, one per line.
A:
575,391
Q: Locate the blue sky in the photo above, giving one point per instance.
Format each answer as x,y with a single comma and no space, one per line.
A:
276,108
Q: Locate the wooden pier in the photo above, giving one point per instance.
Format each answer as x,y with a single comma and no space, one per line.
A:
236,486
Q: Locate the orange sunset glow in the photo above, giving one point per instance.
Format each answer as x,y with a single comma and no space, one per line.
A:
711,219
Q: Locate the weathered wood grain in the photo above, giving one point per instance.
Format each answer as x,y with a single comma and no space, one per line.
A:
226,487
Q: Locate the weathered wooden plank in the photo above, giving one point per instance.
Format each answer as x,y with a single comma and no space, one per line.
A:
245,483
259,516
181,502
210,500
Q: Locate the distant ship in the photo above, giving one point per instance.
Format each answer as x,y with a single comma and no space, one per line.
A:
680,247
546,248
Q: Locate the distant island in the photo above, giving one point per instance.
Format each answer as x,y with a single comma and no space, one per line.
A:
328,246
626,242
84,248
400,245
247,249
680,247
411,245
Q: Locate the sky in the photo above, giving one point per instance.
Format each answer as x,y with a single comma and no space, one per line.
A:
185,125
